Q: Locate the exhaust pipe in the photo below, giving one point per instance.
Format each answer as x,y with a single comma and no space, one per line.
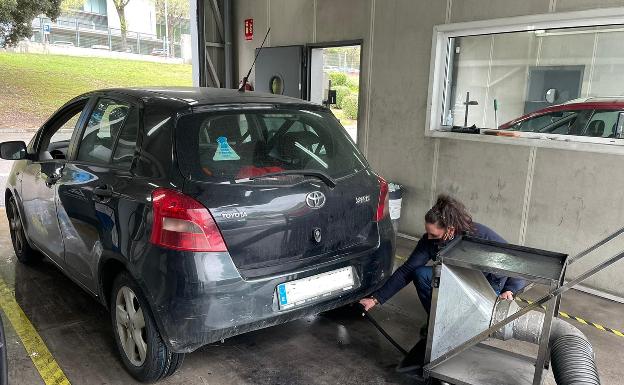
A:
571,354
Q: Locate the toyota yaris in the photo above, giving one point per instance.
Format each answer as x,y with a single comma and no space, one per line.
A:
198,214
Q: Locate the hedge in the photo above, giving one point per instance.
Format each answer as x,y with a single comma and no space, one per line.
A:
338,78
353,84
350,106
341,93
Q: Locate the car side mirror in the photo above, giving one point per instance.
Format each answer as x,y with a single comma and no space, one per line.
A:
14,150
551,95
619,126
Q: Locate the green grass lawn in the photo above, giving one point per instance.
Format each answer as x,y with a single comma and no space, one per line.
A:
33,86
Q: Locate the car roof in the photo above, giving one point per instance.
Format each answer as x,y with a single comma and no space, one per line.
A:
195,96
598,99
590,103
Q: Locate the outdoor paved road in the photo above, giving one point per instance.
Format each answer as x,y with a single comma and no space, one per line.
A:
5,165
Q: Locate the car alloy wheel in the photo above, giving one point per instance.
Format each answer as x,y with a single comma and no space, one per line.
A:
131,326
15,227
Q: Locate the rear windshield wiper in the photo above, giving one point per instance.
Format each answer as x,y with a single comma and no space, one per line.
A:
329,181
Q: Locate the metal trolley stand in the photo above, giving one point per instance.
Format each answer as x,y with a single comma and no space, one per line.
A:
463,304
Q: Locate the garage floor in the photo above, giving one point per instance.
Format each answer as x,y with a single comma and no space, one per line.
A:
334,348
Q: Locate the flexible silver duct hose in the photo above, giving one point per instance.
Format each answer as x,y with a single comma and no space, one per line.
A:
571,355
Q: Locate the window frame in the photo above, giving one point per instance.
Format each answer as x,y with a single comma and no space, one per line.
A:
52,124
77,138
440,66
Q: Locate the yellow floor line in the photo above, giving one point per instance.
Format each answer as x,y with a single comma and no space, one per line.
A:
46,365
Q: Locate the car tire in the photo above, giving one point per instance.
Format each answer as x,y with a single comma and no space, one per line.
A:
176,363
142,349
23,251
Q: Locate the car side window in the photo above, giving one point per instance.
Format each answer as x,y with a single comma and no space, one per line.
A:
567,122
103,128
538,123
577,126
602,124
126,141
54,143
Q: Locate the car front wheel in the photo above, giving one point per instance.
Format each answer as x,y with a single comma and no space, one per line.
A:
23,251
141,347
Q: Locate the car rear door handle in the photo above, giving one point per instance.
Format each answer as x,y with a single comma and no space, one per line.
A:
103,192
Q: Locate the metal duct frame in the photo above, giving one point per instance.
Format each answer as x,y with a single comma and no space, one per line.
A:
465,361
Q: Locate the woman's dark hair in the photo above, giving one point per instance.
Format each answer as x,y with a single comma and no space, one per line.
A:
449,212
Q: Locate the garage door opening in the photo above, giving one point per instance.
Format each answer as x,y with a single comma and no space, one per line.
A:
337,67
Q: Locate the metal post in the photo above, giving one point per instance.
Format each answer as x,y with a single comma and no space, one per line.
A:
166,45
110,40
227,26
542,354
200,17
41,31
77,33
467,104
139,43
583,253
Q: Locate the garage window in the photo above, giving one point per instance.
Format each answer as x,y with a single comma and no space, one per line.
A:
526,76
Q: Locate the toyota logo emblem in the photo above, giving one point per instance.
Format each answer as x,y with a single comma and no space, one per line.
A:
315,200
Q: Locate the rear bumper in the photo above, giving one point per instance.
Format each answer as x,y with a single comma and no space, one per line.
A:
200,298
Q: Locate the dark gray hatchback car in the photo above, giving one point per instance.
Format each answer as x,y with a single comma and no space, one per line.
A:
198,214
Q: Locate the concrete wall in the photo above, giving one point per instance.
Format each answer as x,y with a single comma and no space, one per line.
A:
560,200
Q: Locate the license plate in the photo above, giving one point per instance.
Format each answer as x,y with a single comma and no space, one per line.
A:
297,293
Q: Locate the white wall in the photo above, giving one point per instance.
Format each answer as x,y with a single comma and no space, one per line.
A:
140,16
317,78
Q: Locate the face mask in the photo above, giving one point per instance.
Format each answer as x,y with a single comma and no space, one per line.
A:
438,244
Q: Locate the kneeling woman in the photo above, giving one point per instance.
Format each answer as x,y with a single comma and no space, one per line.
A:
445,219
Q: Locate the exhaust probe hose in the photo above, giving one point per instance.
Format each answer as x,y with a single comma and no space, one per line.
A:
571,356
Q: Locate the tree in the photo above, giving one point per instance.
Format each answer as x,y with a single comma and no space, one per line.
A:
120,6
16,17
68,6
177,11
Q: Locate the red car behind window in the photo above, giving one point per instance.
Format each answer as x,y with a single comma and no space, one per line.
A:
593,117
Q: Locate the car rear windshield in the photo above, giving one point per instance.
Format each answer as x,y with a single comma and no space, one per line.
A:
237,145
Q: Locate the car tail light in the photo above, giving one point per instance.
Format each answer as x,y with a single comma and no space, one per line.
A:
182,223
383,207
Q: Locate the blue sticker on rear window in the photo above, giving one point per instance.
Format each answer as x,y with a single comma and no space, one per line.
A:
224,151
281,291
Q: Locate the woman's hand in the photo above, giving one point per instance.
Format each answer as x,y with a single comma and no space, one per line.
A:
508,295
368,303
